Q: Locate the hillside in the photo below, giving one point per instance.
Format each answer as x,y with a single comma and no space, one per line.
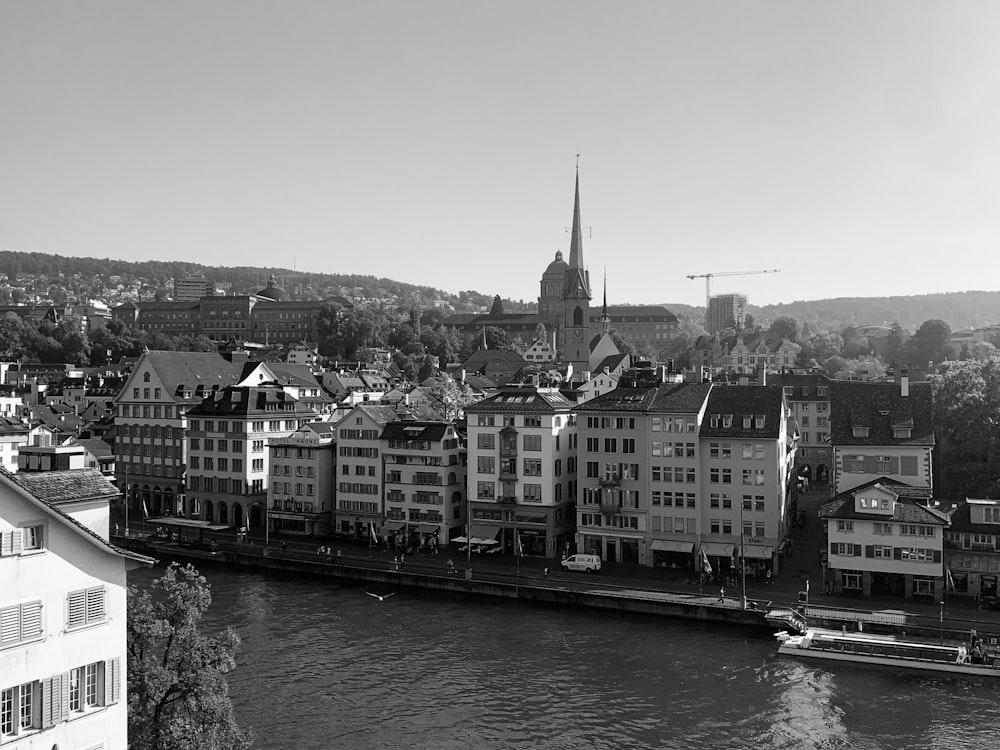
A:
958,309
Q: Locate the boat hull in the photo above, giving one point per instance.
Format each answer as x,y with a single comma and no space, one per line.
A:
980,670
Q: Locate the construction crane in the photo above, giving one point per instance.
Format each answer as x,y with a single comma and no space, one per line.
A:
709,276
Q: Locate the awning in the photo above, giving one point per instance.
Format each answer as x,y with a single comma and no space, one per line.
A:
757,552
187,523
390,526
671,545
427,528
717,549
485,532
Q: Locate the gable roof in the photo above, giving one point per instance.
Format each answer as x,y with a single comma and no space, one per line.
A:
741,401
908,508
675,398
15,484
183,372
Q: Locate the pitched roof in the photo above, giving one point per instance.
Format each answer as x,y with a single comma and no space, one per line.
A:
908,508
522,400
407,430
881,408
190,370
57,487
674,398
14,483
242,401
742,401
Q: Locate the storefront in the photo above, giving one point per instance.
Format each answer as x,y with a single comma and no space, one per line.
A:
672,553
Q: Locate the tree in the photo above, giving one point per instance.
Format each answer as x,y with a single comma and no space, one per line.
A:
178,693
497,308
785,327
930,342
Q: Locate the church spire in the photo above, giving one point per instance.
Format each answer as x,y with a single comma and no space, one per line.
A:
577,277
605,320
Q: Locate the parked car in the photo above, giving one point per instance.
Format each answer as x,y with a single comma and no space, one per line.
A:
586,563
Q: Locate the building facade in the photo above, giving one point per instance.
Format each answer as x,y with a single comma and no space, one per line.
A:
725,311
808,397
301,495
522,470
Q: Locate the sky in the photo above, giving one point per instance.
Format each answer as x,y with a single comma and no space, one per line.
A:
853,145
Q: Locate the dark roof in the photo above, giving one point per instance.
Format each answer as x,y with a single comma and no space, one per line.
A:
674,398
10,426
961,520
745,401
57,487
190,370
909,507
521,401
405,430
795,382
880,407
97,447
266,401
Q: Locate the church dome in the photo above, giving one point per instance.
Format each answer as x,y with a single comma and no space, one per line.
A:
273,291
558,265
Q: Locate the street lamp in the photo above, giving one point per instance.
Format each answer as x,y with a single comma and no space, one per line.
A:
942,621
743,560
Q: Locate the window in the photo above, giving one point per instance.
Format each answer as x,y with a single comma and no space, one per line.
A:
747,476
486,465
532,493
845,526
610,445
20,623
20,709
486,441
727,476
532,467
85,607
628,445
485,490
882,529
532,442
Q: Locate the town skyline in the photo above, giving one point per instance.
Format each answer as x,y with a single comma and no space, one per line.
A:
758,137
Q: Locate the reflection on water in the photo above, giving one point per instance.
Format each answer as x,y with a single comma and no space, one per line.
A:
324,666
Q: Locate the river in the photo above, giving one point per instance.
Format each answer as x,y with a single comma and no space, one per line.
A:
324,665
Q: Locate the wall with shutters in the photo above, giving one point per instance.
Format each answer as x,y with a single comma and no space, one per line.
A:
69,562
910,464
865,539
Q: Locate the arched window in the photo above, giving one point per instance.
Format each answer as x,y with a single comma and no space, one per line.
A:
145,377
577,317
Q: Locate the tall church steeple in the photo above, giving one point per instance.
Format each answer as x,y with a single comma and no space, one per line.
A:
575,343
577,277
605,320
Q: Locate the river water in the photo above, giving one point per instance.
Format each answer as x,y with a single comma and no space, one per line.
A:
327,666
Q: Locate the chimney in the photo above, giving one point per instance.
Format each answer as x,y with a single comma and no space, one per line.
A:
763,374
904,381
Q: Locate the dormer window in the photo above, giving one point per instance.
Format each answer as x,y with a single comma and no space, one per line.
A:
727,420
805,390
713,421
746,422
861,432
821,390
902,432
758,421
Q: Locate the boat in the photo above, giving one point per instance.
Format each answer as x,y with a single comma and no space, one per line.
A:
867,648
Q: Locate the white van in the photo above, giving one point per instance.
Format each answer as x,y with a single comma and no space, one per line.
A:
586,563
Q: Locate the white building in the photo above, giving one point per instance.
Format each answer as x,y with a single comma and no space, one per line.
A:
62,621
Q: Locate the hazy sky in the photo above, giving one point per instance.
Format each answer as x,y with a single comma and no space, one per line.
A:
854,145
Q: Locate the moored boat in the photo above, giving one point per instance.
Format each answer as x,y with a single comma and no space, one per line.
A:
865,648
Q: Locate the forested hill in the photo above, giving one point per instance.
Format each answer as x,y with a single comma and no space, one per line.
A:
957,309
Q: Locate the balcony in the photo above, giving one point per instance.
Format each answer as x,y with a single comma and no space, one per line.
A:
610,480
507,500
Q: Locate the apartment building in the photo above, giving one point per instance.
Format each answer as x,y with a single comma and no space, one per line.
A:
808,397
151,418
301,495
62,616
972,548
425,480
747,442
227,440
639,498
522,470
884,539
881,430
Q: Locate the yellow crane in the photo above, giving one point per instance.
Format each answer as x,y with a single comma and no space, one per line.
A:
709,276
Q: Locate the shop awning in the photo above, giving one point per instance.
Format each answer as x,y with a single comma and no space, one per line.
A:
717,549
481,531
427,528
757,552
671,545
390,526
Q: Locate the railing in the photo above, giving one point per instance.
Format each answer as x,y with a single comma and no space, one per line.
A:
610,480
507,499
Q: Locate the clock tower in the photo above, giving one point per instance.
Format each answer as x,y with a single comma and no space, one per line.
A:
575,342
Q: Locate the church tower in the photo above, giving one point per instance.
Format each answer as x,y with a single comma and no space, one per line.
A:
575,342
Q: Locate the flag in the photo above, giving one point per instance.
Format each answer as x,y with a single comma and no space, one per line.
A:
518,549
371,526
950,580
706,566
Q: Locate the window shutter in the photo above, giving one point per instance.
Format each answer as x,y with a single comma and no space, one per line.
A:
897,553
48,718
31,620
10,625
63,692
893,465
16,541
112,680
76,609
5,543
869,550
95,604
937,555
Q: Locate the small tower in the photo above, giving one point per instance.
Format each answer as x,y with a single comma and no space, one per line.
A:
576,296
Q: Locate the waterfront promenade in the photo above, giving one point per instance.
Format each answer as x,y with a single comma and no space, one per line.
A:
622,581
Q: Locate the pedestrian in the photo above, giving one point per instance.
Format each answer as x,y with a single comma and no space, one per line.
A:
546,572
320,550
451,566
340,556
722,595
284,547
768,576
402,560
